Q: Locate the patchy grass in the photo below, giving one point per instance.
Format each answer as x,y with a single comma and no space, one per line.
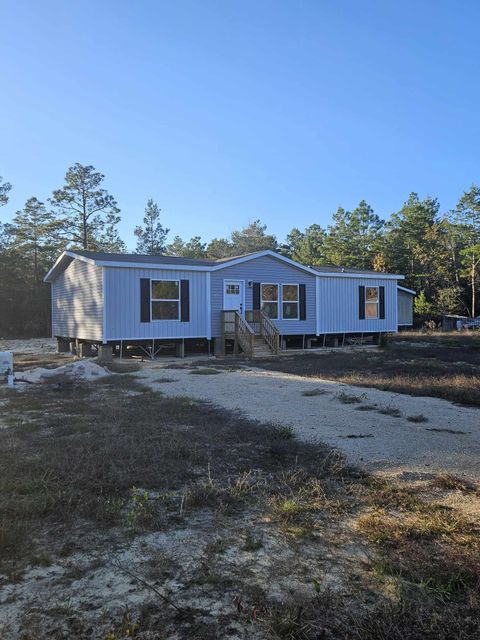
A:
417,418
24,361
390,411
206,371
353,436
97,468
450,482
252,543
429,550
455,432
442,365
285,432
208,525
308,393
346,398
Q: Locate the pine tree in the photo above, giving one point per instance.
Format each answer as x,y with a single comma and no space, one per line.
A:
33,234
421,305
354,238
219,248
176,247
252,238
364,235
5,188
152,236
306,247
30,246
411,241
110,238
337,248
467,215
85,208
194,248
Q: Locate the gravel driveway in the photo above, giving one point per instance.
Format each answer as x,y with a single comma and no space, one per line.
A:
449,441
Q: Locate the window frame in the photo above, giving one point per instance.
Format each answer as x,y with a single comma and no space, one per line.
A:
177,300
228,283
372,302
297,301
277,301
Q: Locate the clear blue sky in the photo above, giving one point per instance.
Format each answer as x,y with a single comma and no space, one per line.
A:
225,111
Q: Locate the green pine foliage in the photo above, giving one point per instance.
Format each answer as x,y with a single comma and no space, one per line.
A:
87,213
152,236
439,253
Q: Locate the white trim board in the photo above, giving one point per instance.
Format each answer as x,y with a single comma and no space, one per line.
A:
208,296
410,291
104,302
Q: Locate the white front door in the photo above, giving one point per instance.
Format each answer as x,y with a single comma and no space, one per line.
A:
234,295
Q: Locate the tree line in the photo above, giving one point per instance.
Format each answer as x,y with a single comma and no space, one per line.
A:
438,252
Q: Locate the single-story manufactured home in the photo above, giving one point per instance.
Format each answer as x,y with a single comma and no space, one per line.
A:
257,303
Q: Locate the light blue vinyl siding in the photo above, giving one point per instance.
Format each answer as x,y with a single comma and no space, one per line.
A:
122,286
88,300
77,302
265,269
339,309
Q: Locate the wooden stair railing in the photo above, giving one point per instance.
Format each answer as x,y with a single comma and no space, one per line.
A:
252,316
244,330
270,333
264,327
245,335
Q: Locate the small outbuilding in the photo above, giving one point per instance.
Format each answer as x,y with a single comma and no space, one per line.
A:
405,306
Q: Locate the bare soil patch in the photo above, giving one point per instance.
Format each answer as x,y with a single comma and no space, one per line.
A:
439,365
126,513
326,411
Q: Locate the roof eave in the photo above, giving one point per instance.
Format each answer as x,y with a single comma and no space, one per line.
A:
153,265
410,291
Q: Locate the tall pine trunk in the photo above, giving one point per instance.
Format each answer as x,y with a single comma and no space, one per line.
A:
473,286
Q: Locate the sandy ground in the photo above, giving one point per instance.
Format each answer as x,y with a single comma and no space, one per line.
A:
379,442
29,345
369,438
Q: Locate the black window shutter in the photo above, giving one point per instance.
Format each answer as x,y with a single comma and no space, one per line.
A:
185,300
256,295
381,303
302,299
361,303
144,300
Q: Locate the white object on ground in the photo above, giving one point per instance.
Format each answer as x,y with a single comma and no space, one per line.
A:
81,370
6,362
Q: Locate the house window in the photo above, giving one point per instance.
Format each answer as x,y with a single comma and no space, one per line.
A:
371,303
269,300
232,289
165,300
290,302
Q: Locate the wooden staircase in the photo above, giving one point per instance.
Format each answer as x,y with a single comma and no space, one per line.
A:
260,347
255,334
